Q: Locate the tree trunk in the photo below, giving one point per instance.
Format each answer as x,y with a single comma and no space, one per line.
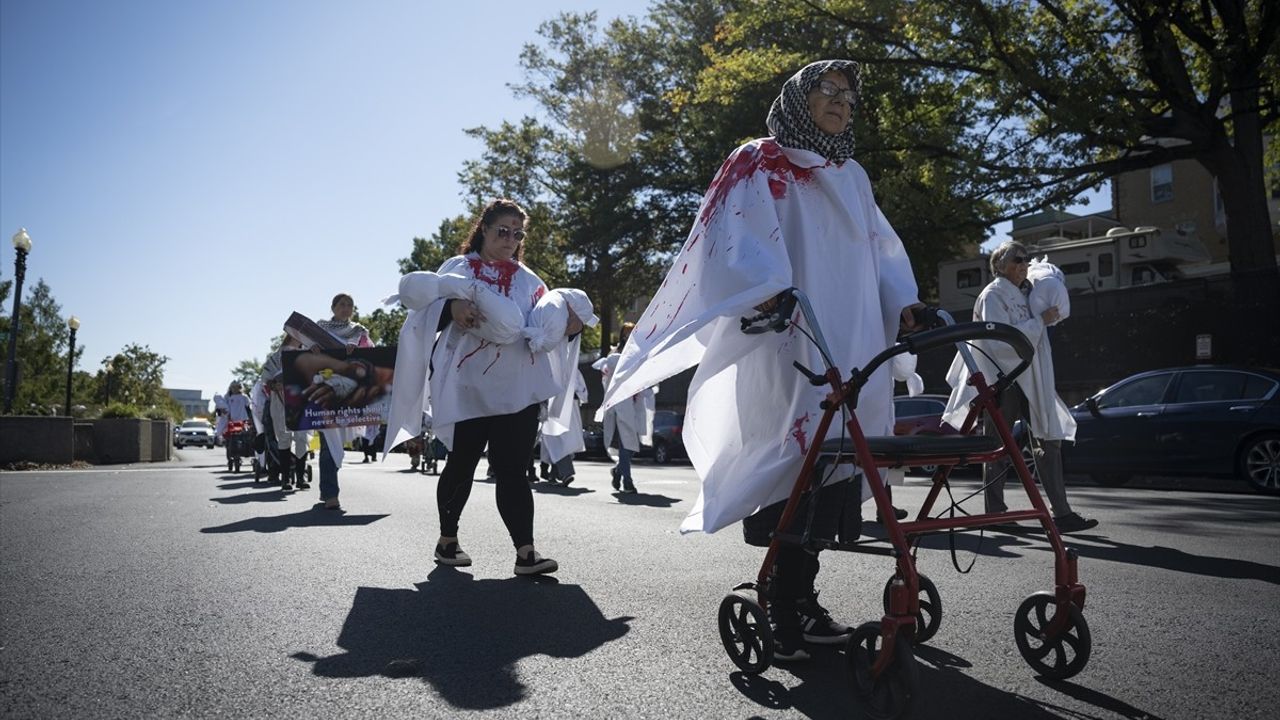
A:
1238,169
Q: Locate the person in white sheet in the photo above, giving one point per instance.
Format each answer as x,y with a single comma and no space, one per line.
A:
629,420
1033,395
463,357
555,327
289,448
791,210
220,412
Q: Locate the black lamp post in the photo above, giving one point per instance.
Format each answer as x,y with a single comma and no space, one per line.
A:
108,383
22,244
74,324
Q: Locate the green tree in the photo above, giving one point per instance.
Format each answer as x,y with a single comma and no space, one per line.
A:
1050,98
41,351
384,325
248,371
135,376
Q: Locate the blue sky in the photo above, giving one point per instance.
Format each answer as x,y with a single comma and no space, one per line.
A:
192,172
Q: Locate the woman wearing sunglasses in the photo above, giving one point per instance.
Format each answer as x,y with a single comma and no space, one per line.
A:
1033,397
485,384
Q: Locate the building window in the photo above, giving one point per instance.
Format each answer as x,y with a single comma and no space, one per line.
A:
1137,241
972,277
1161,183
1105,265
1075,268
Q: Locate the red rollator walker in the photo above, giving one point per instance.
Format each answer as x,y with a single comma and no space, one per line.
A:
1049,627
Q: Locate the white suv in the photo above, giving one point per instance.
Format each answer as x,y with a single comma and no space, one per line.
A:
194,432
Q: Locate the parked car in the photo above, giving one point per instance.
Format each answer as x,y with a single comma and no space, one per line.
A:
921,415
194,432
1204,420
668,444
593,439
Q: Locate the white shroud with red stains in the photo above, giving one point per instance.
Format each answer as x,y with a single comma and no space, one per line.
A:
470,375
773,218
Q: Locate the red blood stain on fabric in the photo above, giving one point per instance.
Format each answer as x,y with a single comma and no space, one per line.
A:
495,359
483,344
765,156
537,295
797,432
499,273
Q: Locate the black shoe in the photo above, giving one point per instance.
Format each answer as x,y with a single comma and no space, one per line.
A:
617,479
1074,523
788,644
286,487
897,512
303,485
535,564
452,555
817,625
565,482
628,487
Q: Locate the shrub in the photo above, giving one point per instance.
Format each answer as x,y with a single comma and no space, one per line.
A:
121,410
158,414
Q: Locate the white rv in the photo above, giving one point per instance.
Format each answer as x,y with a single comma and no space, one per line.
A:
1121,258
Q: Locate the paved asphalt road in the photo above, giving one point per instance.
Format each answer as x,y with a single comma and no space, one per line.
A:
179,590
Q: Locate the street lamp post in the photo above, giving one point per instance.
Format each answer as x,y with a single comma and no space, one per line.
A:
108,402
22,244
74,324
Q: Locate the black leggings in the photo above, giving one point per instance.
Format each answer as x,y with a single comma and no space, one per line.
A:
510,439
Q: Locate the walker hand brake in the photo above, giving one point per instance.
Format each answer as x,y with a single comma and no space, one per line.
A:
814,378
776,318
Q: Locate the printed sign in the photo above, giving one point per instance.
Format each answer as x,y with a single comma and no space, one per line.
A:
331,389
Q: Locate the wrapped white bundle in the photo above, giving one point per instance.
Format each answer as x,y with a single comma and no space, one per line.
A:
1048,289
903,368
550,317
503,321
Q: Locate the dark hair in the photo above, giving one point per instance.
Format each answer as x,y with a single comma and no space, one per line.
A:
491,212
341,296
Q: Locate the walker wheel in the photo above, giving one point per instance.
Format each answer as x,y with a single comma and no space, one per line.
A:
1060,657
930,615
257,471
307,471
888,696
745,632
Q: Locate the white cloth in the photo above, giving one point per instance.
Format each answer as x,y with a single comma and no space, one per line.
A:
472,374
773,218
630,419
1048,289
562,428
1001,301
238,406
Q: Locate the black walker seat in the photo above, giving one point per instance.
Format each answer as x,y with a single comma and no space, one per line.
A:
1049,628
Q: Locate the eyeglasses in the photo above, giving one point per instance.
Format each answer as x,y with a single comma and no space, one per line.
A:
830,89
1019,259
505,231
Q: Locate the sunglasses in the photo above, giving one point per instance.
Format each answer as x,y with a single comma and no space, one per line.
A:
830,89
1019,259
505,231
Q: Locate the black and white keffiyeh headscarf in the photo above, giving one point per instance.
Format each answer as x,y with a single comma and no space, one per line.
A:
789,119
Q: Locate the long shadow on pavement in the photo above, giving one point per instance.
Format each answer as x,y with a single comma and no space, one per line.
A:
275,494
314,517
464,636
646,499
1098,546
826,691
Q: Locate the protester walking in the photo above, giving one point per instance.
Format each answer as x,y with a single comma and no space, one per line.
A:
629,421
555,327
791,210
1033,397
464,355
